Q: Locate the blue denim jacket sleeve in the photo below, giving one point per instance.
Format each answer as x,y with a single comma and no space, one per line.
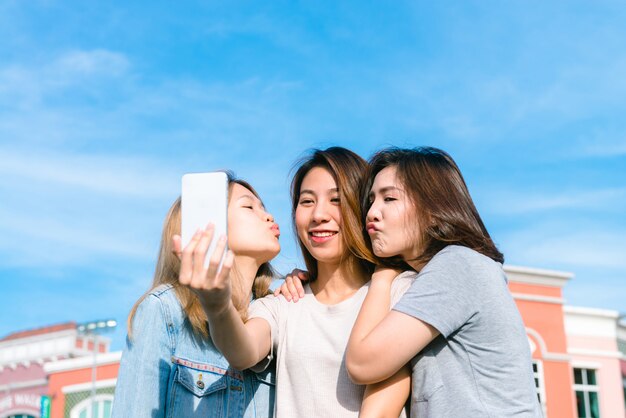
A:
145,368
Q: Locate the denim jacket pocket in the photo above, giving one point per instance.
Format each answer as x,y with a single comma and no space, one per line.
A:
201,389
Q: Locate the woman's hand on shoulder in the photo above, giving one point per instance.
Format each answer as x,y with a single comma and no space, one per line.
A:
292,288
211,283
385,274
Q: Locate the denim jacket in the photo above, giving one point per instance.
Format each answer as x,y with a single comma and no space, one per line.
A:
167,371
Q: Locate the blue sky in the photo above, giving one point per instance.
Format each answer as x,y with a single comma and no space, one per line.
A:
103,106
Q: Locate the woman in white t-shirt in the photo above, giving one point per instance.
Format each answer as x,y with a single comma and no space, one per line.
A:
308,338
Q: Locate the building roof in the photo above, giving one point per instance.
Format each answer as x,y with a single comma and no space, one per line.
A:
39,331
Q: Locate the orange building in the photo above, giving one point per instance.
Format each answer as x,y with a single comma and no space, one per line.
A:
74,391
575,350
539,298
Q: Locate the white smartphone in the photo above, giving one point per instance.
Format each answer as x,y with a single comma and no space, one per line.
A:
204,200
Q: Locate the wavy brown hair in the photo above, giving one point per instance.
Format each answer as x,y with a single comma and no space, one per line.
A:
348,170
446,214
168,268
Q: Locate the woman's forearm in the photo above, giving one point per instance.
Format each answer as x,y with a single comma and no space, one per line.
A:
234,339
374,309
387,398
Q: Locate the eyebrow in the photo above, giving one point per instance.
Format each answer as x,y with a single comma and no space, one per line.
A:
253,198
309,191
385,190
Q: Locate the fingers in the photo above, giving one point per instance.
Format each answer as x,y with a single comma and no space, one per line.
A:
304,277
227,265
186,265
216,258
284,290
291,288
199,255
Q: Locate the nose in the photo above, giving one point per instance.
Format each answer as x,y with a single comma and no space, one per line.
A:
320,213
373,214
269,217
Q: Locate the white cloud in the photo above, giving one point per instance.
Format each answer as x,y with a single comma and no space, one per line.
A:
26,86
129,176
100,62
70,209
34,239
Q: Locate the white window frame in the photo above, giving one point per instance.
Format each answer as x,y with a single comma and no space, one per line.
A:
586,388
86,403
541,389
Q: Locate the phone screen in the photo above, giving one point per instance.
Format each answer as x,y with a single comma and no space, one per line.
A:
204,200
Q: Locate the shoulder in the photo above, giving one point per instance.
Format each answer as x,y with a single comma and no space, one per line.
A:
267,303
162,291
461,257
162,300
406,276
455,262
401,284
268,300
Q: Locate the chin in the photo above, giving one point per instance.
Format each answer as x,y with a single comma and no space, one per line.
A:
379,250
270,253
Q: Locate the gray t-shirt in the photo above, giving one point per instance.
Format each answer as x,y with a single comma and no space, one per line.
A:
309,341
480,365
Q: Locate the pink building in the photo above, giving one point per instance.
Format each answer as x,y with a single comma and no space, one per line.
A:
621,345
595,360
23,379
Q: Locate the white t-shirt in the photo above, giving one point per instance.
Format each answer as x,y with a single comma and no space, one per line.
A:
309,341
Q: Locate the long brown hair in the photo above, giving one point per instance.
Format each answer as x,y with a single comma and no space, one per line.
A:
446,214
168,267
348,170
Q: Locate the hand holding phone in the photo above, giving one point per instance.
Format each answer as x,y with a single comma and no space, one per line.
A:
204,200
205,261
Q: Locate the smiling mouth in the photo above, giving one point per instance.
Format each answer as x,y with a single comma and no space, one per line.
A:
322,236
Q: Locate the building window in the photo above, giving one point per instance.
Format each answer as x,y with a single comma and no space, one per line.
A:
540,384
21,416
101,408
586,389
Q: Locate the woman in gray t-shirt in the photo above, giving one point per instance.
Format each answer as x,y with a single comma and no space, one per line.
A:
457,325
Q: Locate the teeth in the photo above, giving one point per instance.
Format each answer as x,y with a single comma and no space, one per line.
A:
322,234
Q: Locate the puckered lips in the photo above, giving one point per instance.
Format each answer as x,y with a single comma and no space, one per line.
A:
372,228
275,230
321,236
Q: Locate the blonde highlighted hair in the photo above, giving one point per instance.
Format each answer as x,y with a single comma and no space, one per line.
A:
168,267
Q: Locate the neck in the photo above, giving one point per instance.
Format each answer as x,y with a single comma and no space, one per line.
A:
335,282
410,258
242,277
415,265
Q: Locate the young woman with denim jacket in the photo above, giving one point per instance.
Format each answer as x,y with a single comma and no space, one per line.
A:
170,367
